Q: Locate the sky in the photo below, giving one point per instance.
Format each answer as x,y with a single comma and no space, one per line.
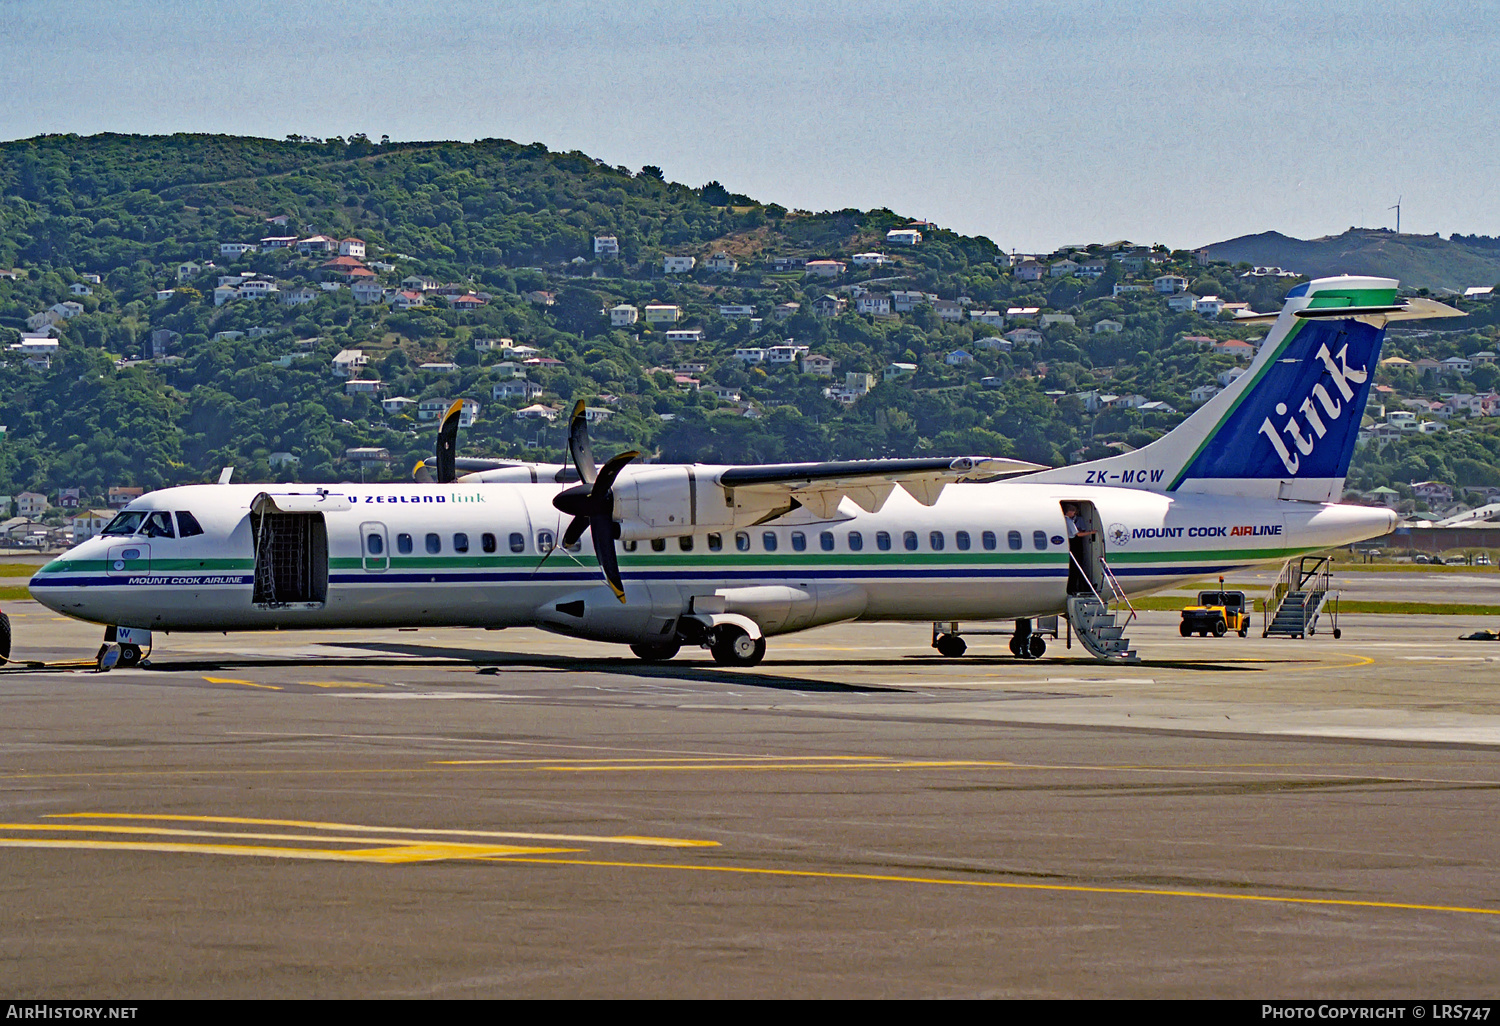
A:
1036,124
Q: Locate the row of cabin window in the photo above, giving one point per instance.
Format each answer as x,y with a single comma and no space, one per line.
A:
770,541
433,542
854,541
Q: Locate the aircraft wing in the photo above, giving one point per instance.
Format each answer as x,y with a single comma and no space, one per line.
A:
780,487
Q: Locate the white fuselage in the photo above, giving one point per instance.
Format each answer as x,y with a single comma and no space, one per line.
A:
468,555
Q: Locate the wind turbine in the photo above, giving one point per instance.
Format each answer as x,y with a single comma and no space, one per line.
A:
1397,209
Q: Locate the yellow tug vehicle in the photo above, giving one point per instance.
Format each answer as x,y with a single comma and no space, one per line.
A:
1217,613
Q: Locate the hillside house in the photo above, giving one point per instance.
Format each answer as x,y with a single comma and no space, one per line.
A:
235,250
1030,270
1108,327
1209,306
1182,302
517,388
120,496
897,371
736,311
958,358
678,264
1063,269
318,244
363,386
824,268
685,335
994,318
1023,336
869,260
606,247
298,297
623,315
277,242
397,404
829,306
352,248
722,263
348,362
367,292
662,313
903,237
1169,284
818,365
950,310
31,504
875,303
536,412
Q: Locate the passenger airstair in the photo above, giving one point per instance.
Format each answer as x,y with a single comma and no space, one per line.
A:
1097,626
1299,597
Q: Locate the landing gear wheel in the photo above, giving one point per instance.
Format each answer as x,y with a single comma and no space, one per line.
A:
736,648
4,638
1338,632
952,646
1184,630
1036,646
1244,631
1219,628
1015,647
130,656
658,653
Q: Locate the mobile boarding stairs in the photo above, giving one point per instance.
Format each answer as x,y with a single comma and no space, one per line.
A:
1300,595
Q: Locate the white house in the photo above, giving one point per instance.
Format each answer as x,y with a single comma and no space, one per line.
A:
1182,302
352,248
78,288
903,237
234,250
876,303
678,264
1203,393
623,315
536,412
722,263
515,388
1107,326
685,335
662,313
785,353
1209,306
896,371
958,358
750,356
397,404
824,268
736,311
362,386
348,362
1024,336
367,292
869,260
1169,284
948,309
1022,313
606,247
298,297
994,318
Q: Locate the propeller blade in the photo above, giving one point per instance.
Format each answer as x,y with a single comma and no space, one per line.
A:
604,548
575,531
447,443
578,444
607,475
421,474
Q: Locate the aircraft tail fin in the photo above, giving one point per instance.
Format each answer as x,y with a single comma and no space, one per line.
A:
1286,427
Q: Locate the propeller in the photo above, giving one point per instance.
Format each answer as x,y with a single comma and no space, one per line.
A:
447,447
592,503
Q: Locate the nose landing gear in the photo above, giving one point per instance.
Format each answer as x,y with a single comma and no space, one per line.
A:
125,647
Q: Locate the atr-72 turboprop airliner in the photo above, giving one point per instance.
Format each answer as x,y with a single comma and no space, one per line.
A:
723,557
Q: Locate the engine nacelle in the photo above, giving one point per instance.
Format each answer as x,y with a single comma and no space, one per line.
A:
658,502
648,614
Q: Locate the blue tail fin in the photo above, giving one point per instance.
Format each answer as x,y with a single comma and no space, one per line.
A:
1286,427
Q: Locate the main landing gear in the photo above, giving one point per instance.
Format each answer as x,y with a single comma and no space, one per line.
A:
729,644
1025,643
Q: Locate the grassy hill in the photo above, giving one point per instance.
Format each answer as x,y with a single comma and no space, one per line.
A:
1419,261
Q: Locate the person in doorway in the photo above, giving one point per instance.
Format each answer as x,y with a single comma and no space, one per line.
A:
1079,539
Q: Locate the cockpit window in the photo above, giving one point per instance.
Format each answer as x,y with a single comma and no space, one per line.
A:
158,525
126,523
187,525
